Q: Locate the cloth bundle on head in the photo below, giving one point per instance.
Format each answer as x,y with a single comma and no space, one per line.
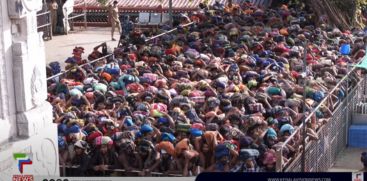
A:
271,133
318,96
79,122
196,132
71,130
162,120
192,53
157,109
71,60
61,129
245,141
146,129
100,87
252,84
167,147
168,137
106,76
212,127
221,150
135,88
75,92
112,69
123,135
103,140
246,154
92,136
213,102
183,127
286,128
81,144
198,126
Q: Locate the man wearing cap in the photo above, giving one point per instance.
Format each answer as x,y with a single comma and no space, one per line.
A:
115,21
81,159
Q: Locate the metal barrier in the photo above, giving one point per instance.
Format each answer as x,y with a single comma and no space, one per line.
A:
147,40
63,170
88,63
44,24
74,16
167,32
320,154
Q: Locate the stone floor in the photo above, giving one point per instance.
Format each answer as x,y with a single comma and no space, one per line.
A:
348,161
61,46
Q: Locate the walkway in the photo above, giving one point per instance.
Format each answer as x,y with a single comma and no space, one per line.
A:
348,161
61,47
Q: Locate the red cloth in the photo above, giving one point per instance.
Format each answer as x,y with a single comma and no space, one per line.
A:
125,67
93,136
198,126
169,52
295,74
167,146
132,57
120,92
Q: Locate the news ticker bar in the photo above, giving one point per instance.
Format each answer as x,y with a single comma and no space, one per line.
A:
303,176
310,176
39,178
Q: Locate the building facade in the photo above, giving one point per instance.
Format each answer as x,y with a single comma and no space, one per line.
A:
25,117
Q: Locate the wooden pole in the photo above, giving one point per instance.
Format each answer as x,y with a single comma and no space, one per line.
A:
170,13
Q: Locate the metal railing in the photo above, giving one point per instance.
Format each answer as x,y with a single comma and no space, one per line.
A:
72,17
320,154
44,21
167,32
101,58
88,63
64,168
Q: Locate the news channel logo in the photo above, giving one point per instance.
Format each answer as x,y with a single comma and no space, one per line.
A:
357,176
22,160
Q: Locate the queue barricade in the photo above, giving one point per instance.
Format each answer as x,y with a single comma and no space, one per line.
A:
63,73
44,24
332,135
69,19
117,172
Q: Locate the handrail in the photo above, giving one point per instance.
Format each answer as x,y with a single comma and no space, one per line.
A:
43,13
123,170
151,38
83,14
169,31
313,112
47,24
76,16
88,63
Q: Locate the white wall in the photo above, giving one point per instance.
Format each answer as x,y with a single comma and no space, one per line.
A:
7,102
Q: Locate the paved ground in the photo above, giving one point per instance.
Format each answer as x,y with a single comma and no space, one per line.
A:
348,161
61,46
